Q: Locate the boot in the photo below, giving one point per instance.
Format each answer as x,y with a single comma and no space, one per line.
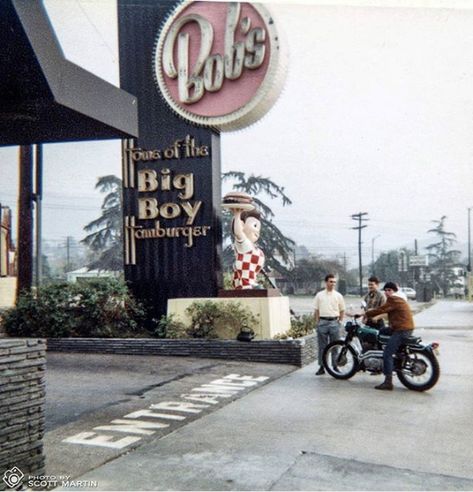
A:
387,384
320,371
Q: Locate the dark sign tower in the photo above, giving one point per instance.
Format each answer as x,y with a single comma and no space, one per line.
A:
171,178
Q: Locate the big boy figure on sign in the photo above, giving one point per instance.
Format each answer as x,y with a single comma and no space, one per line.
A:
246,229
218,64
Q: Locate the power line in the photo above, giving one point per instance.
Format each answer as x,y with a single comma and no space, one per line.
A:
104,41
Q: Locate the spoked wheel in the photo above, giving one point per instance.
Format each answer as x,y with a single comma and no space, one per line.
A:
340,360
420,371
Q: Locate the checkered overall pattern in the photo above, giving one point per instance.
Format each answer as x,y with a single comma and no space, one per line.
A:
246,268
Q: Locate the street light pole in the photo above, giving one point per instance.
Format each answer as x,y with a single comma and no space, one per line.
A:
469,240
372,252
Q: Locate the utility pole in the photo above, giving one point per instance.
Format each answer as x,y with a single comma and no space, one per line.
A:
68,253
25,221
37,197
360,217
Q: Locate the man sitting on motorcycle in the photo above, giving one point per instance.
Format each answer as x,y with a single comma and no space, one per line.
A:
401,324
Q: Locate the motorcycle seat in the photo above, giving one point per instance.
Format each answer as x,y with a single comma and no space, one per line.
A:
412,340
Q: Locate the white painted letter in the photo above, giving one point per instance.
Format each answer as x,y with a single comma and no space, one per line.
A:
101,440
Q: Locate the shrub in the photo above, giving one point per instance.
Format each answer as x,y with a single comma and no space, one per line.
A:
203,318
228,281
169,327
219,320
300,327
99,308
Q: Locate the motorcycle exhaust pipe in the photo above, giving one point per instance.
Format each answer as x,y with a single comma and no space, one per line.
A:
371,353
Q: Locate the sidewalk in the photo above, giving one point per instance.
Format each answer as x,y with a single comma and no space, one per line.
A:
446,314
303,432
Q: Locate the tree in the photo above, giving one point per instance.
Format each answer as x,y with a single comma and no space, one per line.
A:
277,247
442,257
106,242
309,273
105,237
386,266
46,274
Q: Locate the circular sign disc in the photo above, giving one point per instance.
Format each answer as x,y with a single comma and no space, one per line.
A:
219,64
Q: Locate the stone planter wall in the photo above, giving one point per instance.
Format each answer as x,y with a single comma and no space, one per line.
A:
297,352
22,395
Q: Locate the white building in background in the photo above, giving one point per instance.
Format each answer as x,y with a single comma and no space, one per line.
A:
459,285
83,273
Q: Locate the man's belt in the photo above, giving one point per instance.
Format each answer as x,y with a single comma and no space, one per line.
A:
328,319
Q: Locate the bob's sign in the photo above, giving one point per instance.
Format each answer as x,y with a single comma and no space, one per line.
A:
219,64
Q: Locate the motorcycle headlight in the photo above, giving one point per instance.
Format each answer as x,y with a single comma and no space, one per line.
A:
349,326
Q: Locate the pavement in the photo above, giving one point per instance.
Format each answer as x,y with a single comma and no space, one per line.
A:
450,314
99,407
295,431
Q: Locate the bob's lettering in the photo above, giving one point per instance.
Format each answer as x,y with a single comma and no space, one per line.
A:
210,70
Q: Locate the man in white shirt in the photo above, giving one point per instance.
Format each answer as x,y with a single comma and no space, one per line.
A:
400,293
329,311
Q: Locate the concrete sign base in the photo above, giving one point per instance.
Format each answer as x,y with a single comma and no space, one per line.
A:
273,313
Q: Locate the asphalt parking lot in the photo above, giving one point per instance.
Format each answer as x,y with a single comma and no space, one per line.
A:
87,393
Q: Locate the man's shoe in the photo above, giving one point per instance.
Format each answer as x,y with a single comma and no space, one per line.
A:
387,384
320,371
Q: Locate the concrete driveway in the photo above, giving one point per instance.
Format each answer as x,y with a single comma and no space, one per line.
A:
303,432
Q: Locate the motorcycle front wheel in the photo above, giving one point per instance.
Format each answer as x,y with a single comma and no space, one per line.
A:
340,360
420,371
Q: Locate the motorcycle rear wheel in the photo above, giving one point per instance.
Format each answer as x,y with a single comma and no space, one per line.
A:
426,365
340,360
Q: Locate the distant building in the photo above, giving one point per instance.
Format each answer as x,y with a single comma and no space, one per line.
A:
458,287
7,252
83,274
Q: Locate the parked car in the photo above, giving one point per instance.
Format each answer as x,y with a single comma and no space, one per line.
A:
410,293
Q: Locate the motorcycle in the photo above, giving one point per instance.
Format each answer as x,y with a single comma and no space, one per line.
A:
415,363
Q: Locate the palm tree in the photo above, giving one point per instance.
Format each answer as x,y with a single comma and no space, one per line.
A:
277,247
105,237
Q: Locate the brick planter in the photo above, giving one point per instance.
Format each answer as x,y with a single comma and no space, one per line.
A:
22,395
299,352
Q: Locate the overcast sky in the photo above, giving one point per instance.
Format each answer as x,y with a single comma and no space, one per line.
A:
376,116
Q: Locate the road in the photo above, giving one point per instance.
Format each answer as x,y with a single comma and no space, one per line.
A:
302,432
305,304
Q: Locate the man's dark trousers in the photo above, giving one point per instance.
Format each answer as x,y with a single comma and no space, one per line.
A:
395,341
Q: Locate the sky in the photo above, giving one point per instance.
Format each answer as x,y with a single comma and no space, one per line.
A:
376,116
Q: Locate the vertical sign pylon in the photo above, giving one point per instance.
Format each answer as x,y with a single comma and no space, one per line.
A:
171,179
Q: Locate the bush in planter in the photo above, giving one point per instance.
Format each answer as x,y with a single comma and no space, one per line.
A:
219,320
169,327
99,308
300,327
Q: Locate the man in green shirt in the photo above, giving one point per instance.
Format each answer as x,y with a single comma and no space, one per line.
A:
375,299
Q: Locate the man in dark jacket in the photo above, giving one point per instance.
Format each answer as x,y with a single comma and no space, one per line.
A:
401,324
